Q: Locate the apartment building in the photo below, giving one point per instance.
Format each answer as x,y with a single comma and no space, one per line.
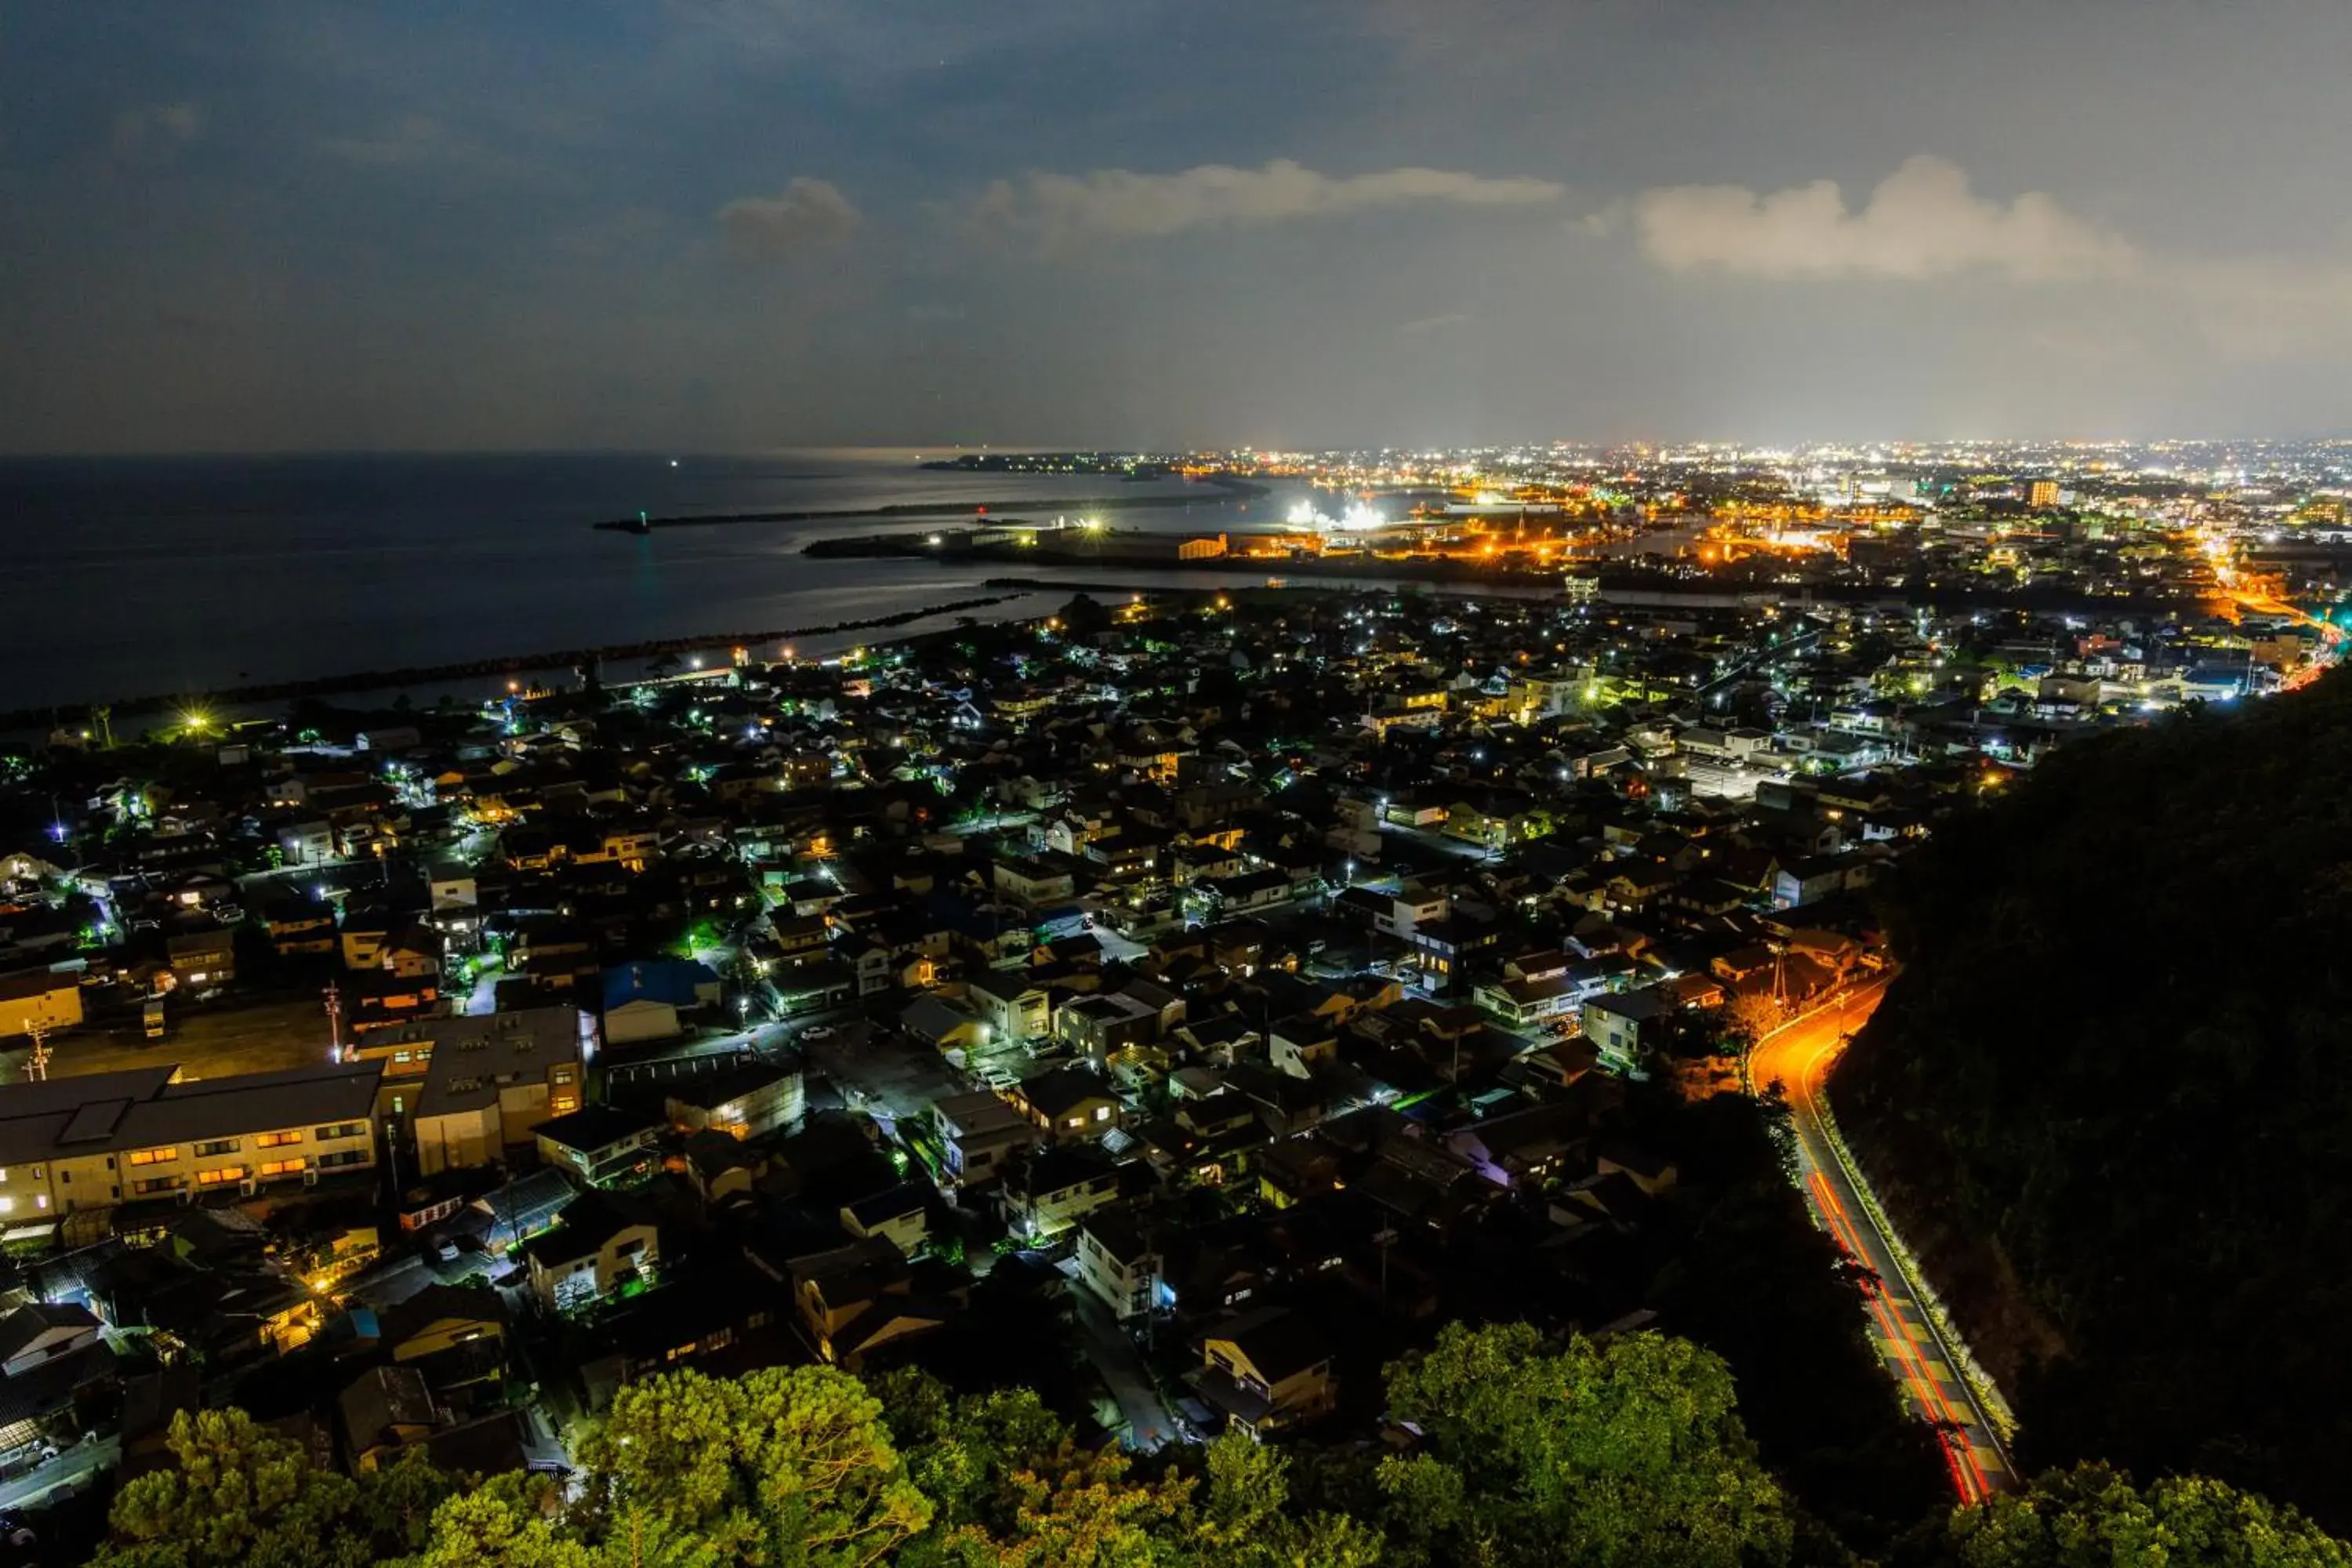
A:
126,1137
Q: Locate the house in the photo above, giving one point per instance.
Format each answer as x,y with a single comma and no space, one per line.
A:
1265,1370
1014,1007
301,927
203,959
1120,1263
598,1246
1525,1004
942,1026
899,1215
741,1102
1054,1187
1031,883
643,1001
365,930
1809,881
1067,1104
976,1133
39,1332
1102,1026
1623,1024
1525,1148
444,1329
1301,1042
103,1139
412,952
38,999
386,1409
600,1144
490,1081
858,1301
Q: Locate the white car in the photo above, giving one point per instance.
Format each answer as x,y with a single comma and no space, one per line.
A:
819,1032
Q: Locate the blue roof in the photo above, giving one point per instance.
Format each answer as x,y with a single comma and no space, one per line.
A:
671,980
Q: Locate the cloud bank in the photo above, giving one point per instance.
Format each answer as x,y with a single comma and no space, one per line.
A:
1122,203
804,212
1923,221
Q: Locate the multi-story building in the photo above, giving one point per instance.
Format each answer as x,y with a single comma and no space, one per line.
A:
488,1082
125,1137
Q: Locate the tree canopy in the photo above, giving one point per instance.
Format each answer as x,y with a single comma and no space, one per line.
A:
1627,1454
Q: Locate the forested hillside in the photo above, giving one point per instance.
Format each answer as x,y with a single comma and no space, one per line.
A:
2110,1096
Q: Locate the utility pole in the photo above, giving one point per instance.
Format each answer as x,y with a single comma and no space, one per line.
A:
37,1064
335,1020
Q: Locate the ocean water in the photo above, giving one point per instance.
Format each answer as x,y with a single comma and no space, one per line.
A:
130,577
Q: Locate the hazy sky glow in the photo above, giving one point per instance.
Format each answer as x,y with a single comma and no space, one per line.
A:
716,224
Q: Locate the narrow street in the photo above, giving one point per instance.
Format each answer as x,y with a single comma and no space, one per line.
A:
1798,1057
1150,1423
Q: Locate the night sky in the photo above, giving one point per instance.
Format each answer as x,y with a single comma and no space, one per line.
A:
752,224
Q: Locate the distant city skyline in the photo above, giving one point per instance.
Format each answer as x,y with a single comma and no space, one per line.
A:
779,224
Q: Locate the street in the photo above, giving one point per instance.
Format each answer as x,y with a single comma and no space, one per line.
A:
70,1466
1798,1057
1113,1354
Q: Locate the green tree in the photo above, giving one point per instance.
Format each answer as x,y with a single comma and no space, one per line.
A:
2092,1517
1630,1454
1081,1507
500,1526
788,1465
238,1493
1246,1519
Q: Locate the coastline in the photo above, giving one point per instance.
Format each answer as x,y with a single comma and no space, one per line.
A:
1232,491
47,715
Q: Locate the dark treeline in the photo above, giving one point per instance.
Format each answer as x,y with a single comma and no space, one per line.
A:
2108,1100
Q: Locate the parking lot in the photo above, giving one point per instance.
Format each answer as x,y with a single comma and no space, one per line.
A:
207,1040
878,1071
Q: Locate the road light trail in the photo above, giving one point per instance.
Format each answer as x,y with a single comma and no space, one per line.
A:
1798,1057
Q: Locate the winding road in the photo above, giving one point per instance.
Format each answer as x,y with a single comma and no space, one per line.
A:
1798,1057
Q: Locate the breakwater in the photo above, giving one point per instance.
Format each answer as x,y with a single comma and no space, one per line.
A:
475,669
1229,490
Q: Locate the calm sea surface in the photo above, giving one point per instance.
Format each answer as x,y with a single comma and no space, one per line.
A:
132,576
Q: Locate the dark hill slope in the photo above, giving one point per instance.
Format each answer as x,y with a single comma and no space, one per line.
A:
2111,1095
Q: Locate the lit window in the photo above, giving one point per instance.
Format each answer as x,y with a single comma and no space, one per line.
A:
216,1178
1102,1113
277,1140
282,1167
7,1206
153,1156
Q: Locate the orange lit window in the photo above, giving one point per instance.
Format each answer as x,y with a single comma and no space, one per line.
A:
277,1140
216,1178
153,1156
282,1167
